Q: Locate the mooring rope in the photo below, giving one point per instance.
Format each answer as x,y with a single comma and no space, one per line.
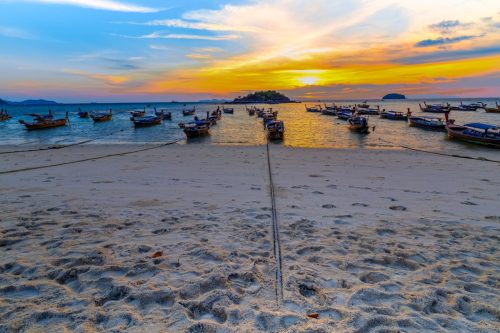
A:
89,158
276,234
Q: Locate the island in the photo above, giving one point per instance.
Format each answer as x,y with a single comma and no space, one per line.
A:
28,102
262,97
394,96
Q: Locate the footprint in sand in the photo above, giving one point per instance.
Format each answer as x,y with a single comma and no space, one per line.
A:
398,208
329,206
316,176
359,204
469,203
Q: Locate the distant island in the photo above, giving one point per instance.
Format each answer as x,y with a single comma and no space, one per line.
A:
394,96
28,102
263,97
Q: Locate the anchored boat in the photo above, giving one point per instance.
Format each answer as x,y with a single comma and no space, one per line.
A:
83,114
275,130
430,123
99,117
484,134
44,121
147,121
4,115
316,108
359,124
393,115
493,110
435,108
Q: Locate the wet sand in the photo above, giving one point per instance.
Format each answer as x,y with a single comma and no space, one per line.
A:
180,239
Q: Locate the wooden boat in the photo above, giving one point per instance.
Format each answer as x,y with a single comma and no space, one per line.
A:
430,123
479,133
368,111
44,122
228,110
435,108
364,105
359,124
275,130
316,108
164,114
4,115
193,130
329,111
393,115
147,121
83,114
493,110
138,113
187,112
217,114
344,114
468,107
100,117
251,111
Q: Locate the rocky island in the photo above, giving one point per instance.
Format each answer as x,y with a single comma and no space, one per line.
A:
394,96
263,97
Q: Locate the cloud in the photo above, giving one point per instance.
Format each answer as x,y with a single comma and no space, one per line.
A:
448,55
161,35
15,33
447,26
111,5
178,23
443,41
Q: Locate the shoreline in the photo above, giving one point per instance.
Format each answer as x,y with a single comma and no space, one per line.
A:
179,239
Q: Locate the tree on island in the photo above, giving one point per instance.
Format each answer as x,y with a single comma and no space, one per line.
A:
269,96
394,96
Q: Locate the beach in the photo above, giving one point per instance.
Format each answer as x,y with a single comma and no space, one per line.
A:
180,238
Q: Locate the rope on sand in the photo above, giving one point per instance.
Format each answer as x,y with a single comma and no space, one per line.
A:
441,154
276,235
89,158
58,146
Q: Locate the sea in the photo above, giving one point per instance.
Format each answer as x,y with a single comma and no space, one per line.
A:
302,129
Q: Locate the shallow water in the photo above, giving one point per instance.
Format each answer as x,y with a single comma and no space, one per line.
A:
303,129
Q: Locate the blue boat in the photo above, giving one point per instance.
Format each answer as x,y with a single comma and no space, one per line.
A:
344,114
393,115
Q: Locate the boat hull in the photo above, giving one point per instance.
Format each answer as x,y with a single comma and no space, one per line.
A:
45,124
457,132
100,119
426,125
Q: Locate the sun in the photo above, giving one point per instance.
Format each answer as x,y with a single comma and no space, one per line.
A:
308,80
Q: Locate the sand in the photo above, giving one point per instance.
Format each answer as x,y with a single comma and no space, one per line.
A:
180,239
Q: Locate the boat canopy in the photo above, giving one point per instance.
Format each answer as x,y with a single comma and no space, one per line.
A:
481,126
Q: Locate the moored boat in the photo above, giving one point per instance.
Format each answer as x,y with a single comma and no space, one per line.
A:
4,115
147,121
435,108
393,115
44,122
83,114
228,110
368,111
316,108
364,105
479,133
344,114
358,124
425,122
189,112
138,113
493,110
468,107
99,117
275,130
193,130
164,114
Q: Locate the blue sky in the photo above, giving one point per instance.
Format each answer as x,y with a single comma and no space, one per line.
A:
114,50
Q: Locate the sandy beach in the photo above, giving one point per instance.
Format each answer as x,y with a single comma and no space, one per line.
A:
180,239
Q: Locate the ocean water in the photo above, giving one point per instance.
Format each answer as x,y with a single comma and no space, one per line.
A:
303,129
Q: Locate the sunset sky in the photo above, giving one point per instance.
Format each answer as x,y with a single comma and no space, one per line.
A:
162,50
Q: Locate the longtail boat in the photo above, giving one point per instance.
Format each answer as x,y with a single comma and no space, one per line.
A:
468,107
425,122
100,117
368,111
493,110
228,110
316,108
147,121
275,130
479,133
164,114
435,108
344,113
359,124
364,105
189,112
4,115
138,113
44,122
194,129
329,110
83,114
394,115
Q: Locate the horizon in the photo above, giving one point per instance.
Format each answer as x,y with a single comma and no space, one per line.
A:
130,51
